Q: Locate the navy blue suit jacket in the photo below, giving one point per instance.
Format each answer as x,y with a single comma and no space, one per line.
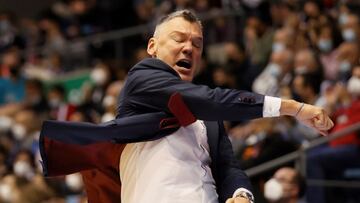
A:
149,86
146,112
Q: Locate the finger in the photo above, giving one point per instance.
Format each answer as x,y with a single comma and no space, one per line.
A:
331,124
319,121
241,200
230,200
322,116
321,125
323,132
327,125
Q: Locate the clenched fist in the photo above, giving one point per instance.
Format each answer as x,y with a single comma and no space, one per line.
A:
312,116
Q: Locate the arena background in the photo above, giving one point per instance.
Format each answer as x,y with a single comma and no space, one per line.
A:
68,59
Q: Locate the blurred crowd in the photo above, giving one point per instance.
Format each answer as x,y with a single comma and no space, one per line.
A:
295,49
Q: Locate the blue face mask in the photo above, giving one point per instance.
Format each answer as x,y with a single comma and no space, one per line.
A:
343,18
278,46
4,26
344,66
349,35
325,45
274,69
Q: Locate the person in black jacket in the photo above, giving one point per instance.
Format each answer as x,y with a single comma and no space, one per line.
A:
168,169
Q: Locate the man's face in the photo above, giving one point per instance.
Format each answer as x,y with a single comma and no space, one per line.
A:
286,178
179,43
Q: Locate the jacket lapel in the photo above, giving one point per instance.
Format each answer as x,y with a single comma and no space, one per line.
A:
212,129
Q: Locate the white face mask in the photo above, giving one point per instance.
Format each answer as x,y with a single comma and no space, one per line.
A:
353,86
6,192
301,70
273,190
18,131
5,123
54,103
278,46
108,101
23,169
74,182
98,75
107,117
349,35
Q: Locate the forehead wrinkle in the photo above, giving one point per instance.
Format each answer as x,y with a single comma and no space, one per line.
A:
160,28
186,33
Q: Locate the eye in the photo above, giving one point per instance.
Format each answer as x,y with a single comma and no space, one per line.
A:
177,38
197,43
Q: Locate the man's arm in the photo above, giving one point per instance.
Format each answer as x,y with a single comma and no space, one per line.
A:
149,89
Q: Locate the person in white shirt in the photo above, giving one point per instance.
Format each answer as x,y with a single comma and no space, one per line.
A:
195,163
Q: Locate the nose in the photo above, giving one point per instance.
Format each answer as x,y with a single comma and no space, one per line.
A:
188,48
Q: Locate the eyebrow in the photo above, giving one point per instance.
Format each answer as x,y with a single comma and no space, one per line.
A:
183,33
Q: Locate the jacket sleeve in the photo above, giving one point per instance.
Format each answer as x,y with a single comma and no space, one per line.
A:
230,176
149,90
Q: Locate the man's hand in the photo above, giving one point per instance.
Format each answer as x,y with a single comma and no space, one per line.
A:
237,200
316,118
312,116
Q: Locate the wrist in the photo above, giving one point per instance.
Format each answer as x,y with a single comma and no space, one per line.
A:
244,193
290,107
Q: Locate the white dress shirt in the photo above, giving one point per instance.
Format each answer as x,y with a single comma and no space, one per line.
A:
175,168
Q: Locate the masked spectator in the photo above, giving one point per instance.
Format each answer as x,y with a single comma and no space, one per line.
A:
348,57
59,108
327,43
350,29
286,186
12,84
276,74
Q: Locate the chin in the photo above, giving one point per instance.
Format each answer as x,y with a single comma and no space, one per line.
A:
186,78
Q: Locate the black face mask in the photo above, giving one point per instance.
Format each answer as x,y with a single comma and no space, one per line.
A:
14,71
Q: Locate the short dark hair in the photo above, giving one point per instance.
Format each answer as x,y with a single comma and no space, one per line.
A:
312,80
185,14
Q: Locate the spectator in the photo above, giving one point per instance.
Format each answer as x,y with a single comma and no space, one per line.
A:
109,101
348,57
59,108
282,40
25,185
327,43
276,74
350,29
259,36
286,186
306,62
330,161
25,130
35,97
12,84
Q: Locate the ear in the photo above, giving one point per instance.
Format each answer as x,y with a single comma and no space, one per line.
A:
152,47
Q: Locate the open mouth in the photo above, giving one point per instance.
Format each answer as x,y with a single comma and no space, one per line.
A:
184,63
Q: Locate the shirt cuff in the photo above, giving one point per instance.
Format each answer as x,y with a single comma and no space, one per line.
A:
248,194
271,106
